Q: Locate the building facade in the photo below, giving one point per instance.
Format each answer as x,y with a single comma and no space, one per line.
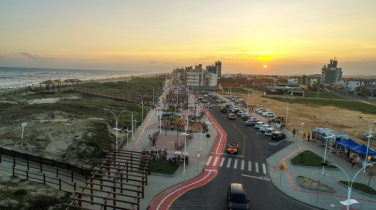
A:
331,73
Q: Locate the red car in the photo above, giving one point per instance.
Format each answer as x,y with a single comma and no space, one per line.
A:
232,148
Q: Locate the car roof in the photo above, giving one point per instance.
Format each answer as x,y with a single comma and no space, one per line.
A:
237,188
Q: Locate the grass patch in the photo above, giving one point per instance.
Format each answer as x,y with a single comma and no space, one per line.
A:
361,187
173,110
308,158
314,95
343,104
237,90
163,167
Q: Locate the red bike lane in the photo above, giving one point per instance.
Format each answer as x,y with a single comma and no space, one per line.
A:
165,199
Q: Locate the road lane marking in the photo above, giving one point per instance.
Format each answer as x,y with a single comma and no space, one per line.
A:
242,166
256,165
236,164
209,160
223,160
257,177
249,166
215,161
229,163
264,168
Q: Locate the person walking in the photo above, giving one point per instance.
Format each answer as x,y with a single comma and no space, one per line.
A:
304,136
308,137
352,163
293,132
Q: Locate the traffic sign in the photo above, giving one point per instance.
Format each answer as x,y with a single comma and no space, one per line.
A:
23,124
198,155
281,167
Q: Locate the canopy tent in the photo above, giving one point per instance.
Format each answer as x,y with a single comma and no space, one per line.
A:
362,150
348,143
49,82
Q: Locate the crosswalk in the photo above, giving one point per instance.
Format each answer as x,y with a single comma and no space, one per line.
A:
235,163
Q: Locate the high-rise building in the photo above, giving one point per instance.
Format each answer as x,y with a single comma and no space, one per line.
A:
331,74
218,66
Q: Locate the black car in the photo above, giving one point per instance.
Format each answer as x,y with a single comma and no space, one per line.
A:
278,135
237,197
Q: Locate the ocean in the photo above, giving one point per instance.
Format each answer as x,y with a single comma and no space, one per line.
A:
22,77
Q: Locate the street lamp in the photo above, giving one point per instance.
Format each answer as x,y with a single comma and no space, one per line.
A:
326,142
116,120
349,201
301,127
142,98
128,131
153,94
287,110
186,134
369,139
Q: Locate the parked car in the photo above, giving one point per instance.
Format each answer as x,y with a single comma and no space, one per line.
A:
231,116
223,109
268,114
251,122
204,100
232,148
244,114
246,117
262,111
237,197
208,105
269,131
263,128
276,135
259,110
218,100
239,113
200,98
259,124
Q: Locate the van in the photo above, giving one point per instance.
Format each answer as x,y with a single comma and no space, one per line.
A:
237,197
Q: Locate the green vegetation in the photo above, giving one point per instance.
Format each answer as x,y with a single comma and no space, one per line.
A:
343,104
163,167
237,90
361,187
308,158
23,199
314,95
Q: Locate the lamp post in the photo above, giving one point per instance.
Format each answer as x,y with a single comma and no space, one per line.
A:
128,131
326,142
287,110
369,139
135,123
207,139
247,101
153,94
301,128
132,128
186,134
349,201
116,120
142,109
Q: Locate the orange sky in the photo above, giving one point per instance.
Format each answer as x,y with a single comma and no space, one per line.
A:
290,37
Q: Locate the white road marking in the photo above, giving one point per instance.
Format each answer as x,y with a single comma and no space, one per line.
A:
236,164
242,166
215,161
209,160
249,166
256,165
223,160
264,168
229,163
256,177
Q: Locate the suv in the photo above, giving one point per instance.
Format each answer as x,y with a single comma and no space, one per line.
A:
237,197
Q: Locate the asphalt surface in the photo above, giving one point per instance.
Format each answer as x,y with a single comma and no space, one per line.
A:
248,168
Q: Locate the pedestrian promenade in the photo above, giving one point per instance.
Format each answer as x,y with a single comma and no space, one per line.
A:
287,183
163,189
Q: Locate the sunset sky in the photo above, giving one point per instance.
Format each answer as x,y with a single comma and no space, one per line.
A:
288,36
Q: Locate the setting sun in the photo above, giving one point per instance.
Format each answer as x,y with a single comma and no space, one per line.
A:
265,66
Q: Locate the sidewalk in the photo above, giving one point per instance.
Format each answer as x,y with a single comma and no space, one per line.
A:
320,199
160,183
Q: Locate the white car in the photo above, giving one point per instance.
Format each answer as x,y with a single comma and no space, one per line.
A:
264,127
262,111
268,114
240,113
244,114
259,124
269,132
218,100
259,110
209,105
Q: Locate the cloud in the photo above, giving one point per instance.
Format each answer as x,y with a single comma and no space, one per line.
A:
153,62
36,57
205,58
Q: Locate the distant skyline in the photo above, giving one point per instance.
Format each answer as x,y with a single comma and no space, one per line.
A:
289,37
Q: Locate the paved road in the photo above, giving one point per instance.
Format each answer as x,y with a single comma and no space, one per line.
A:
248,167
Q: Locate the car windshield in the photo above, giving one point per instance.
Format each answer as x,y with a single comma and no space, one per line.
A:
238,198
232,146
